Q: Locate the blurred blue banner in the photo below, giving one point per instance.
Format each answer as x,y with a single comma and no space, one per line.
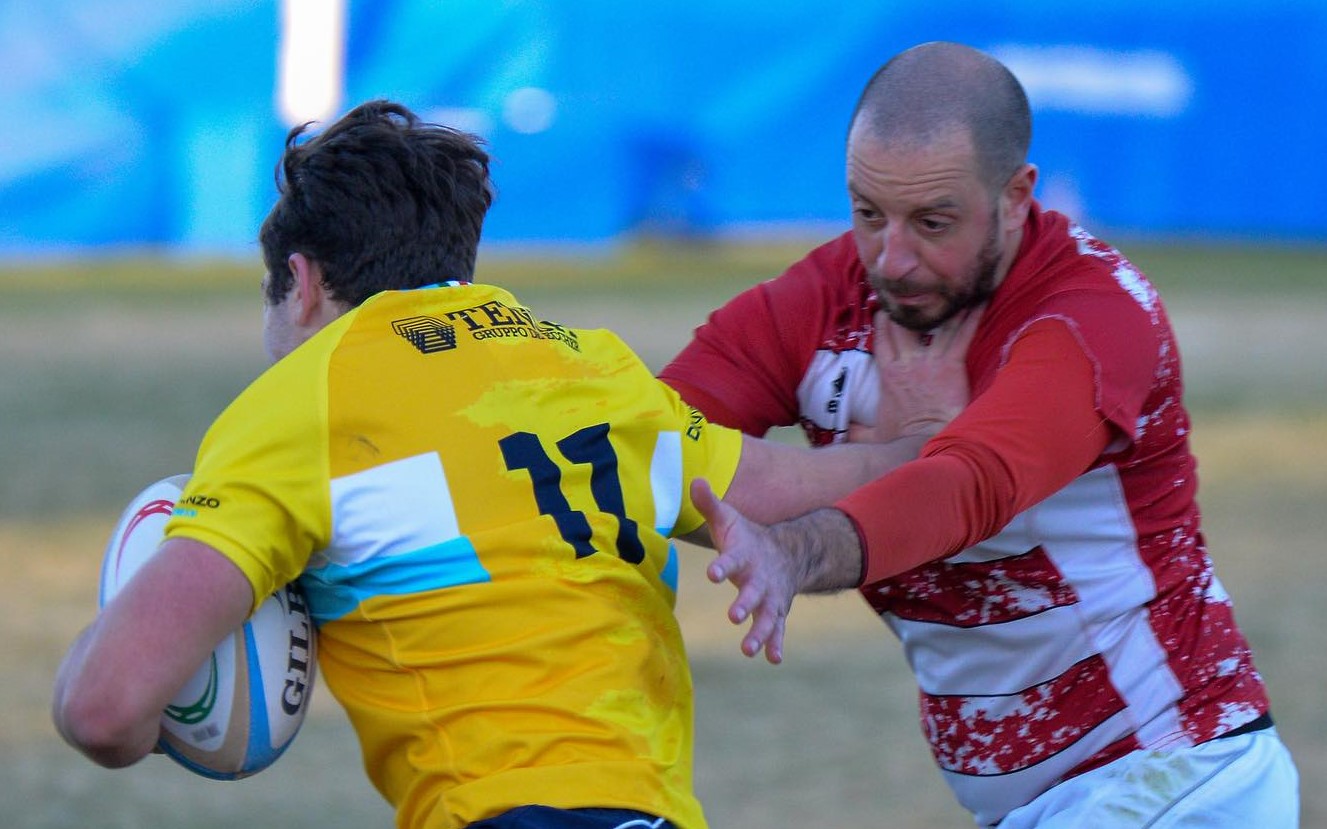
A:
130,123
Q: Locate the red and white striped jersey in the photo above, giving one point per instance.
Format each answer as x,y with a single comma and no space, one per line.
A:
1087,622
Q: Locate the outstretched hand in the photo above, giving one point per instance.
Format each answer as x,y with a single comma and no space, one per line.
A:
750,558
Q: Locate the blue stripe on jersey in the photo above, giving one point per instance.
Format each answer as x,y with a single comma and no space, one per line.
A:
669,573
335,590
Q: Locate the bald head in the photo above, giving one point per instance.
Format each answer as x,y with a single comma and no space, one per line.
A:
930,90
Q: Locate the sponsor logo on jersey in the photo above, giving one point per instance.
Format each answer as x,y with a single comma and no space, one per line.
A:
427,334
832,407
695,424
188,507
495,319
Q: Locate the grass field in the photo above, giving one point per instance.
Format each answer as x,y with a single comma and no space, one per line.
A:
113,369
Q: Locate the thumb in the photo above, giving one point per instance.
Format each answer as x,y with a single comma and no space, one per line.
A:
722,519
709,505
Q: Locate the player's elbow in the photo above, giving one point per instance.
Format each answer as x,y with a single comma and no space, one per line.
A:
110,734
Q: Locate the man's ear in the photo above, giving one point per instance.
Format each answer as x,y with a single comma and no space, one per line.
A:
310,294
1016,198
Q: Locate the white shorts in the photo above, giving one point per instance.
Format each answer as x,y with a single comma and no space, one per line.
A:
1228,783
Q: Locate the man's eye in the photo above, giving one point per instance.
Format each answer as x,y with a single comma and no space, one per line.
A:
933,225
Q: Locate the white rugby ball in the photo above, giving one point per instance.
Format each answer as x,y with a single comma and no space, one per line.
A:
245,705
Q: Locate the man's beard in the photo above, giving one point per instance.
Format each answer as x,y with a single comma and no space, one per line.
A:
971,292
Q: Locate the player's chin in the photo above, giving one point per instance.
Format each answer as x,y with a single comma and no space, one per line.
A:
919,313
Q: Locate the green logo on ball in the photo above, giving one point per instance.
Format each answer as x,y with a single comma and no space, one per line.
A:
199,710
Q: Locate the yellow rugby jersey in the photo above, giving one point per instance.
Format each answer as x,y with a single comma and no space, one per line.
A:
479,503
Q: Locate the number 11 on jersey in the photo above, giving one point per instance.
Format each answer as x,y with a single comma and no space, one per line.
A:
524,450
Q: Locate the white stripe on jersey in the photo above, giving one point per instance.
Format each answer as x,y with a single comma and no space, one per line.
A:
1034,650
409,497
666,481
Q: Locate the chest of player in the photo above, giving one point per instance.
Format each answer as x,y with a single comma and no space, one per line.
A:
839,387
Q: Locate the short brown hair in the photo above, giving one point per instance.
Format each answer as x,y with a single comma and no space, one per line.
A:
381,201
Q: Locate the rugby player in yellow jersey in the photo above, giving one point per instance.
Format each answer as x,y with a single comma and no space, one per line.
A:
478,502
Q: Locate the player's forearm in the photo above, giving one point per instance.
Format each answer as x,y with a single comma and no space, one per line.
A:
881,458
824,549
775,482
86,715
814,478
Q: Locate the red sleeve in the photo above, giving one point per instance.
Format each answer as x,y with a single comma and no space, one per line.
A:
735,369
743,366
1034,430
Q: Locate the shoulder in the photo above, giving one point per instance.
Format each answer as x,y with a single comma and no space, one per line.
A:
1065,273
1076,259
1100,286
1063,267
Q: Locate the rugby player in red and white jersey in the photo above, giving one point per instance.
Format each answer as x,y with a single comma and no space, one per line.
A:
1042,562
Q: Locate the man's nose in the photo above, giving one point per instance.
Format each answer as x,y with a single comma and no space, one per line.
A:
898,254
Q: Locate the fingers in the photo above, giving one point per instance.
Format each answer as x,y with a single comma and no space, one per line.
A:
758,601
749,595
728,567
739,562
766,634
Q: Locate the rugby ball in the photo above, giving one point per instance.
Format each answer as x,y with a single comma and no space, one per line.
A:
245,705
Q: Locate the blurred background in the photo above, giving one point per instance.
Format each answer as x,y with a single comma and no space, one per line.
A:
652,160
132,123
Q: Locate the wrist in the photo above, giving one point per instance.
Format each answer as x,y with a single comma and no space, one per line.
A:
824,549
